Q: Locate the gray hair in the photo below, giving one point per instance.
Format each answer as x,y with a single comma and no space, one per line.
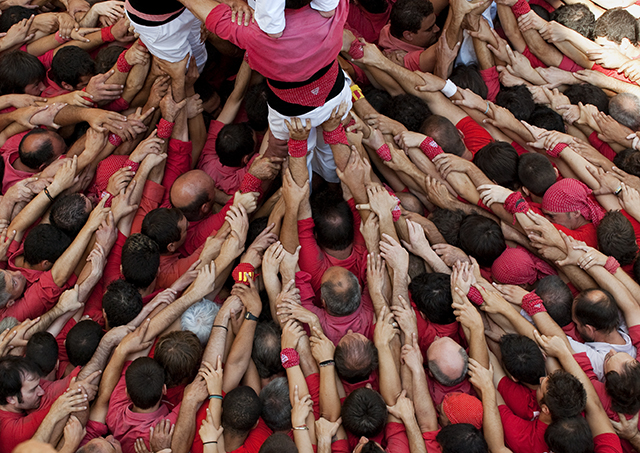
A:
199,319
625,109
445,380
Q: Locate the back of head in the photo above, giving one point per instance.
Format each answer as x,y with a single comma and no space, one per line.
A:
565,396
107,58
468,76
234,142
162,226
546,118
296,4
266,349
448,368
540,11
14,370
499,161
431,293
82,341
624,388
377,98
276,405
342,296
121,303
408,109
577,17
557,298
355,360
448,223
615,25
518,100
461,438
628,160
364,413
522,358
44,243
625,109
241,409
374,6
570,435
536,173
180,354
407,15
12,16
199,319
255,103
278,443
597,308
617,238
140,260
333,222
482,238
145,382
38,157
444,133
588,94
42,349
70,64
69,213
19,69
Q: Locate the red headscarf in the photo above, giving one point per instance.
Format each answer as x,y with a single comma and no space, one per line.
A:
517,266
568,195
462,408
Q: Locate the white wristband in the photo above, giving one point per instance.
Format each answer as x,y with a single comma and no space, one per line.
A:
449,89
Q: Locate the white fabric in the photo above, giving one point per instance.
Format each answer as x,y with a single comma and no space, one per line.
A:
596,351
467,54
269,14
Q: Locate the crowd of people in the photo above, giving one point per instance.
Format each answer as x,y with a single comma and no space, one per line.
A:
319,226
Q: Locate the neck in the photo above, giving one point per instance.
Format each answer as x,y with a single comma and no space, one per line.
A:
612,337
340,254
233,442
545,418
154,408
18,165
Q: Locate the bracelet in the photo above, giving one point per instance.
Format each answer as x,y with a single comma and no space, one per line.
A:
115,140
532,304
475,296
515,203
356,93
107,35
46,192
210,442
555,152
59,38
618,190
218,397
384,153
250,183
449,89
430,148
303,427
243,273
122,64
289,358
223,327
521,7
297,148
356,50
487,111
336,136
165,128
327,362
611,265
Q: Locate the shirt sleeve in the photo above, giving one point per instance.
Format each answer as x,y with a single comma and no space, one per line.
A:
178,162
39,298
152,197
517,431
312,258
412,60
396,437
205,228
475,136
607,443
112,268
256,437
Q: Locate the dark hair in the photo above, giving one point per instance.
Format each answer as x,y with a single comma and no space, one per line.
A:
431,292
256,226
482,238
82,341
577,17
69,213
278,443
145,380
565,396
376,97
617,238
597,308
43,154
541,12
522,358
407,15
296,4
556,297
617,24
255,104
518,100
44,242
374,6
333,221
266,349
546,118
356,360
19,69
536,173
180,354
372,447
468,76
624,388
192,210
569,435
444,133
407,109
628,160
588,94
499,161
14,370
234,142
341,301
70,64
42,349
140,260
121,303
461,438
364,413
107,57
161,225
276,406
625,109
13,15
241,409
448,223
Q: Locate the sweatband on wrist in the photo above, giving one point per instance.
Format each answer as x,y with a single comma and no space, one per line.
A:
611,265
250,183
297,148
165,128
430,148
289,358
134,165
336,136
475,296
123,65
356,50
532,304
356,93
555,152
59,38
106,34
521,7
449,89
516,203
396,213
384,152
243,273
115,140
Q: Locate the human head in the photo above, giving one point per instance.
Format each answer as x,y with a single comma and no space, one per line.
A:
468,76
296,4
567,203
179,353
255,102
278,443
445,134
340,291
13,15
540,11
167,227
617,238
588,94
72,68
448,361
235,145
407,109
33,446
522,358
44,244
577,17
448,223
140,260
518,100
542,116
518,266
377,98
569,435
42,349
12,284
199,319
461,438
413,21
628,160
193,193
625,109
356,358
82,341
145,382
241,409
107,444
21,73
595,310
460,407
536,173
499,161
20,383
616,28
562,394
622,382
333,221
556,297
431,292
107,58
70,212
374,6
482,238
40,147
276,405
266,349
121,303
364,413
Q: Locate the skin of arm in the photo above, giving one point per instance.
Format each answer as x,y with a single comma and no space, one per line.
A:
323,349
424,409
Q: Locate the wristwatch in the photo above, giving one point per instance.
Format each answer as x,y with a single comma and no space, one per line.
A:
251,317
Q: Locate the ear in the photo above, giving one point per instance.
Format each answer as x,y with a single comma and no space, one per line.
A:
204,209
625,44
408,36
544,409
525,191
66,86
171,247
164,390
245,160
46,265
12,400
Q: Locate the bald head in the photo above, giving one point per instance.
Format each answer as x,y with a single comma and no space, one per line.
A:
340,291
40,147
193,193
448,361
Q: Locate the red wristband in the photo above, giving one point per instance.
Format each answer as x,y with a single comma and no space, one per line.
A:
134,165
115,140
59,38
289,358
384,152
555,152
430,148
297,148
516,203
106,34
243,273
336,136
475,296
521,7
611,265
250,183
165,128
356,50
532,304
123,65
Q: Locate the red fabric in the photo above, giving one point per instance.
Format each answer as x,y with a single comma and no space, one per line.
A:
430,441
611,265
634,223
106,169
122,64
178,162
390,43
517,266
535,61
439,392
112,268
106,34
532,304
475,137
314,93
371,380
523,436
11,175
601,146
366,24
297,148
515,203
607,443
172,267
94,429
519,398
475,296
556,150
571,195
519,149
463,408
586,233
165,128
521,7
395,438
384,153
430,148
428,331
118,105
336,136
52,88
611,73
243,273
340,446
567,64
199,231
491,78
152,197
250,183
